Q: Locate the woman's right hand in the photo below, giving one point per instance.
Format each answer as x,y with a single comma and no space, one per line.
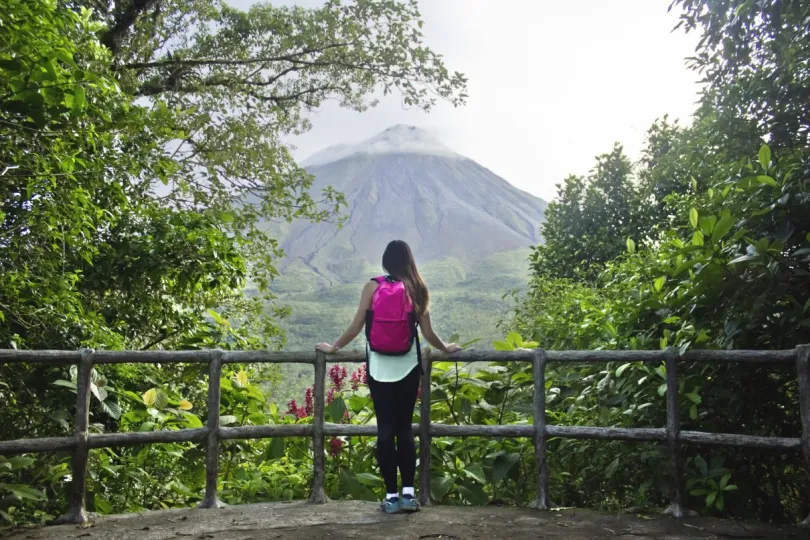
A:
451,348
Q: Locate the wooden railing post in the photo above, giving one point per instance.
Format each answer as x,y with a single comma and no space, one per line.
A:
318,495
542,502
76,512
803,369
212,439
424,431
676,481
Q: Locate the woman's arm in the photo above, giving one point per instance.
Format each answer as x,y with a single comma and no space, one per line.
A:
433,339
357,323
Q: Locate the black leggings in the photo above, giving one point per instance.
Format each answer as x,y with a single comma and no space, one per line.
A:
394,403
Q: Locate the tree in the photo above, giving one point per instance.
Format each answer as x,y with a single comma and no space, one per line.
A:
754,56
590,221
143,152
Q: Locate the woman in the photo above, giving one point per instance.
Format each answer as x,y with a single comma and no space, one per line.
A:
391,307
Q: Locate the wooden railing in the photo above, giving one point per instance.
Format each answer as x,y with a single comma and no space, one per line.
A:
81,442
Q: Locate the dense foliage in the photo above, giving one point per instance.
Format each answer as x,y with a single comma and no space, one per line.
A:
141,158
127,221
710,248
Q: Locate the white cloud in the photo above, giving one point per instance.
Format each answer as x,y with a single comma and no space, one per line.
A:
552,84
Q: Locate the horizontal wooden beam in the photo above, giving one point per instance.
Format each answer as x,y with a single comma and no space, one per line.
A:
308,357
13,356
32,446
739,441
55,444
151,357
607,433
746,357
269,357
265,432
107,440
591,357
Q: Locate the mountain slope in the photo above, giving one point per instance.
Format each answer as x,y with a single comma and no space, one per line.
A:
405,184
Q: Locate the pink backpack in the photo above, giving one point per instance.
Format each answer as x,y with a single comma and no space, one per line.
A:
390,323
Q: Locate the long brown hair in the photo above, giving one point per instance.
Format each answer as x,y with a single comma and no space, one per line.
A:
398,261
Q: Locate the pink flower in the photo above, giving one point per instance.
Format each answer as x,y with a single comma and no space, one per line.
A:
292,407
308,406
330,397
338,375
359,377
335,447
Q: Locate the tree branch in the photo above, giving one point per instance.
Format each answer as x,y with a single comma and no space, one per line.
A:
123,22
247,62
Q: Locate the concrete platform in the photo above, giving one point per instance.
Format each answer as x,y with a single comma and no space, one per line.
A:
359,520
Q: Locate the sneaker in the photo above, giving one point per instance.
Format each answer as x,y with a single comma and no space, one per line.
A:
409,504
390,506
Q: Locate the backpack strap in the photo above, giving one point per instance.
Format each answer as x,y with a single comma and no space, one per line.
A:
415,330
378,279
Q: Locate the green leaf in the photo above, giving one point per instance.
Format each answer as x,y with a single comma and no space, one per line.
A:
621,369
710,498
476,472
503,464
20,462
192,420
149,397
697,238
693,218
161,399
767,180
474,493
662,389
66,384
631,246
276,448
612,468
112,408
227,420
336,410
440,486
240,379
23,492
658,284
744,258
765,156
723,226
102,505
368,479
357,403
502,346
79,98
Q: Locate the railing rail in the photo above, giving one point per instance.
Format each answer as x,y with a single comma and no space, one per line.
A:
212,434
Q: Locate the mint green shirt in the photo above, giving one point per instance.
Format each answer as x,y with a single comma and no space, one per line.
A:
385,368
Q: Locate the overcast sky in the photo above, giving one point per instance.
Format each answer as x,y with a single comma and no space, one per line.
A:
552,83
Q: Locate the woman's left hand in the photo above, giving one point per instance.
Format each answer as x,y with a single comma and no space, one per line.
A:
325,347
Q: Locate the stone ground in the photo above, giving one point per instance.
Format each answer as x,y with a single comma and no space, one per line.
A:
360,520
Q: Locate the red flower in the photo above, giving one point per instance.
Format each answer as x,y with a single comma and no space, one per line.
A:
335,447
292,407
359,377
338,375
330,397
308,405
